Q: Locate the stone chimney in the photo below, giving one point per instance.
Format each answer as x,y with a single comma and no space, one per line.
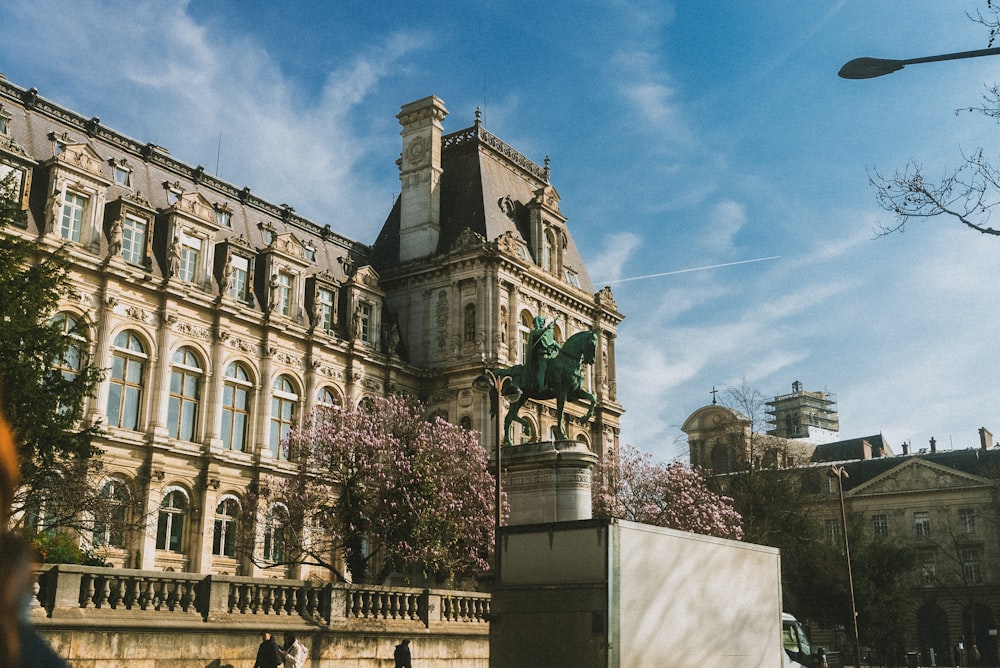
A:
985,438
906,448
420,176
933,445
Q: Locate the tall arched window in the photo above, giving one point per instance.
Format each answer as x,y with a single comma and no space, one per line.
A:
128,375
170,521
111,518
274,533
284,408
227,515
236,390
185,390
549,252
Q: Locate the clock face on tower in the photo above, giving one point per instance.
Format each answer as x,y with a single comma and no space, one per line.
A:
417,150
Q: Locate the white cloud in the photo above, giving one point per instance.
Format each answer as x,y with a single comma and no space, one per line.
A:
615,252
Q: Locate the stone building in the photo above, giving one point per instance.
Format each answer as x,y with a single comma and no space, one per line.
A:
944,505
223,319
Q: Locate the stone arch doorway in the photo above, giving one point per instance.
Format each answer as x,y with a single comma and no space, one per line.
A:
932,634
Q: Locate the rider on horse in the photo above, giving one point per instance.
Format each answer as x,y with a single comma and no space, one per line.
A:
542,347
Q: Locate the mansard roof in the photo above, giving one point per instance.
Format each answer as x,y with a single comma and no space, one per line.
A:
864,447
976,462
40,126
486,186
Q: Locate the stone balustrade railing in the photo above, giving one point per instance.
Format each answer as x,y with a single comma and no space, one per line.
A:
68,590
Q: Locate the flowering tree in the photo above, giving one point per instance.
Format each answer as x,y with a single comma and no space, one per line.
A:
379,487
630,485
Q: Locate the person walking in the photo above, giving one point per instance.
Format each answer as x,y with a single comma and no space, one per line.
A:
268,653
402,655
294,652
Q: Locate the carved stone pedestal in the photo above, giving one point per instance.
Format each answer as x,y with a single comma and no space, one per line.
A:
548,481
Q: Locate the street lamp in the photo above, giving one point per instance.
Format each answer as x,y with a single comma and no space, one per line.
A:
839,473
869,68
503,386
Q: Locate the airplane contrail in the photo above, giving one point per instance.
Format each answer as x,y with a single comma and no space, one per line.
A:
685,271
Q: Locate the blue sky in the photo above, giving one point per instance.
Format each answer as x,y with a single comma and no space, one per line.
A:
681,135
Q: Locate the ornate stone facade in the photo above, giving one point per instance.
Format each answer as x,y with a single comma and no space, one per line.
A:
224,319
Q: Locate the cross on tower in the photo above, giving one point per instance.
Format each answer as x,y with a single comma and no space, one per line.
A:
713,393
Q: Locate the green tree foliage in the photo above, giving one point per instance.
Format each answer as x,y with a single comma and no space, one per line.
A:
384,490
42,394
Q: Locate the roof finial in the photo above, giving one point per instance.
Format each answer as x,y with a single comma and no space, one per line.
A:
548,172
713,393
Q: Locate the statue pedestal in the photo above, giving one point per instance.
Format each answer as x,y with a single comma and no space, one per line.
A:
548,481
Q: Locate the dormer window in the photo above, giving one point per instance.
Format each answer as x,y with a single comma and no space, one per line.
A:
133,240
239,283
71,220
572,278
174,192
309,251
325,308
122,172
223,216
281,293
190,257
267,233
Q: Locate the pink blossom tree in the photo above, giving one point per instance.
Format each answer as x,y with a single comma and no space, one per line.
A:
381,489
631,485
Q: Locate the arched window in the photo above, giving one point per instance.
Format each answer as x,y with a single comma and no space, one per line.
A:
227,515
111,518
236,390
70,361
465,422
185,389
327,398
128,376
284,403
170,521
469,323
274,533
524,328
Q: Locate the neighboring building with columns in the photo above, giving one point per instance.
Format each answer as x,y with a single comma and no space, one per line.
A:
224,319
942,504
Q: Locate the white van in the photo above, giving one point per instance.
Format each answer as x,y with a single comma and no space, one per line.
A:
798,651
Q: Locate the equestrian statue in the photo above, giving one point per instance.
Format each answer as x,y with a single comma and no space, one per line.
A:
552,372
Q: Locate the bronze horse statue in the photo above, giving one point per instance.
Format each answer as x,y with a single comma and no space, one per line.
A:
563,377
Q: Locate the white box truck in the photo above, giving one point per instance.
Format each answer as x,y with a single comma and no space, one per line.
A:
617,594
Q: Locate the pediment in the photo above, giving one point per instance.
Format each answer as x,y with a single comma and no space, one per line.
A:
366,276
195,205
81,158
918,475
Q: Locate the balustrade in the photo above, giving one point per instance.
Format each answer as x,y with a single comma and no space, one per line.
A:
212,597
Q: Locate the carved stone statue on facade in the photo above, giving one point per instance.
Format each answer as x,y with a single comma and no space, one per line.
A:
174,257
115,238
227,276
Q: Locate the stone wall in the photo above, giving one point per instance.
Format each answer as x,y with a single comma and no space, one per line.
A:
150,619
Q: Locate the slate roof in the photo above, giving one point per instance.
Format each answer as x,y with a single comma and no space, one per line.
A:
480,173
